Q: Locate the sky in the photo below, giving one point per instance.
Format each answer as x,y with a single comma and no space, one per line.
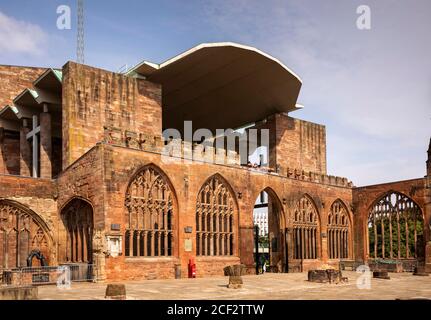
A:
371,88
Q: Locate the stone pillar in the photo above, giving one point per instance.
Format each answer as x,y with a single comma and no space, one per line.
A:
138,243
25,151
145,235
152,247
45,144
245,249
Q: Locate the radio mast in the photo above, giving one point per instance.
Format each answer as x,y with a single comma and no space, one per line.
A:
80,33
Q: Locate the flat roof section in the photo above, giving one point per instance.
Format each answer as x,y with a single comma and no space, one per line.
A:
222,85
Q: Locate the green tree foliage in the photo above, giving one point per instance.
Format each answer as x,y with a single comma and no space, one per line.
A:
402,232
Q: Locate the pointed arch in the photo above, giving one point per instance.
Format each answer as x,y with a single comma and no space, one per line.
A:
339,231
306,229
395,227
150,214
269,216
276,199
77,215
18,226
216,218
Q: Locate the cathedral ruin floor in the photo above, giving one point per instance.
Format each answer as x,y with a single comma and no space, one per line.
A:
290,286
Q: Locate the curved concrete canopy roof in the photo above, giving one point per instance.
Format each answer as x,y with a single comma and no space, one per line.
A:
222,85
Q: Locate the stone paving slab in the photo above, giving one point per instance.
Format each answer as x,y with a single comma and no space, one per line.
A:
293,286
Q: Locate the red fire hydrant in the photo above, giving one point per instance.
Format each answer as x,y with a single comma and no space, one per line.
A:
192,268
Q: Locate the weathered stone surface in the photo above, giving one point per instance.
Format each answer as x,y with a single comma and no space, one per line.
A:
326,276
420,271
112,128
235,282
235,270
116,291
296,143
381,275
95,98
18,293
394,266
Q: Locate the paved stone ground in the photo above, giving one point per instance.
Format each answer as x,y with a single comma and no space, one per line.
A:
268,286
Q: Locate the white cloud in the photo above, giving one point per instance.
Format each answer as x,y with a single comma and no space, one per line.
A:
21,37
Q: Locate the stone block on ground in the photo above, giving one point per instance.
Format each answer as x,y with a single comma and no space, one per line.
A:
18,293
235,282
326,276
388,266
235,270
420,271
381,275
116,291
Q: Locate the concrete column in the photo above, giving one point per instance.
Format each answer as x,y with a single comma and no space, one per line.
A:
45,144
25,151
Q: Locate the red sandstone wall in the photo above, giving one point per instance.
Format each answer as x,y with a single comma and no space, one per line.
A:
82,179
38,195
120,165
14,79
9,152
94,98
300,144
295,143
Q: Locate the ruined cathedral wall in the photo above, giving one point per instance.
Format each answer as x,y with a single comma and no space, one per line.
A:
296,144
365,197
83,180
94,99
38,196
187,178
9,152
14,79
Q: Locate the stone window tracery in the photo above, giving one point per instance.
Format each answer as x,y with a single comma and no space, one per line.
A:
338,231
215,219
395,228
149,214
305,230
20,233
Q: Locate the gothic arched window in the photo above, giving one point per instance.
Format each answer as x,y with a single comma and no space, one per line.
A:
149,215
20,233
395,228
305,229
338,231
215,210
